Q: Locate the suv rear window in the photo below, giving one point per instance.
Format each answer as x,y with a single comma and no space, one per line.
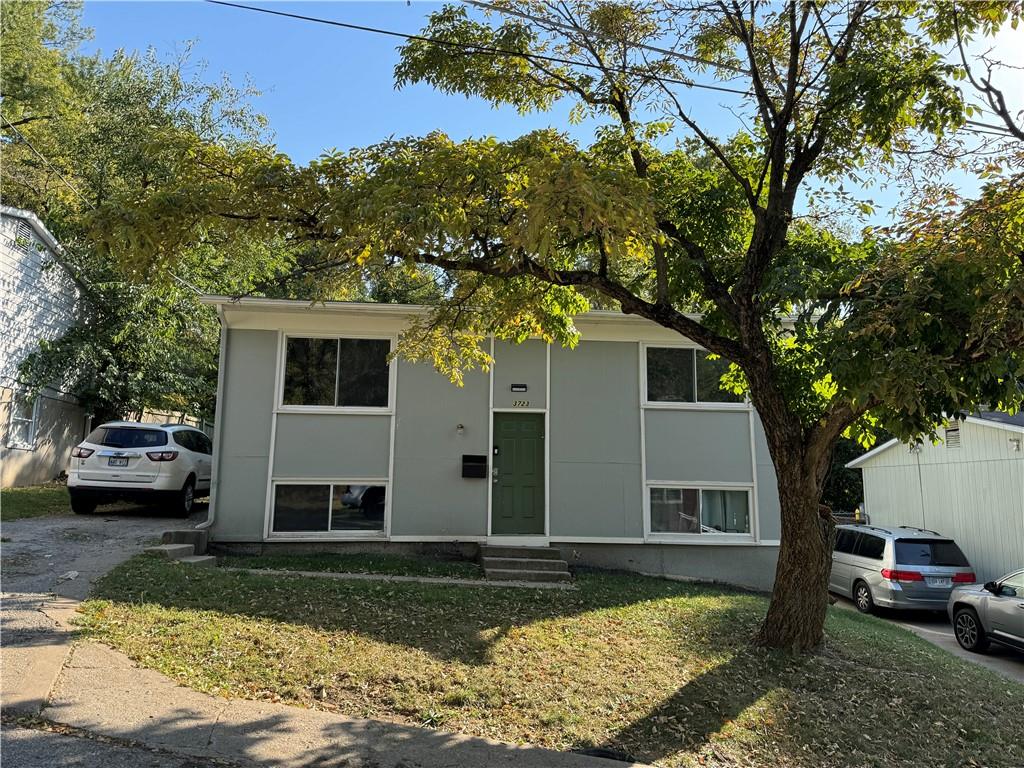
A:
929,552
127,437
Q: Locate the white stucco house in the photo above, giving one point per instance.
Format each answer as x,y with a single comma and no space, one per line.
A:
969,486
38,300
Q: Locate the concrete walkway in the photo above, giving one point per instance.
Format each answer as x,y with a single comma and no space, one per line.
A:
388,577
101,693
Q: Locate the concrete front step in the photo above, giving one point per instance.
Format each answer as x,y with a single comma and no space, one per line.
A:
200,561
523,564
532,553
197,538
171,551
547,577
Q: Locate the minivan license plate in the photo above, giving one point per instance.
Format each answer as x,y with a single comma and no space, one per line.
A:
117,461
939,581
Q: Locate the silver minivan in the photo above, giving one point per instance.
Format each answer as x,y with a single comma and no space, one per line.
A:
907,568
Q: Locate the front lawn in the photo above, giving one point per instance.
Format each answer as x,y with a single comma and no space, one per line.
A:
660,670
360,562
34,501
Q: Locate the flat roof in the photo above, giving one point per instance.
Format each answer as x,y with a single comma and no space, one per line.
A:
378,308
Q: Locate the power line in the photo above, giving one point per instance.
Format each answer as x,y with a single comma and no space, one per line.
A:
472,47
640,46
490,50
43,157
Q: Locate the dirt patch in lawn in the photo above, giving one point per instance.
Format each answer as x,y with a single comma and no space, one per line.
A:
659,670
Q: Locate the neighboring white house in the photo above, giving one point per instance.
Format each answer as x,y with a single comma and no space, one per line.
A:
38,300
970,486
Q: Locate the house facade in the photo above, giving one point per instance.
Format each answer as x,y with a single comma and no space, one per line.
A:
39,301
624,451
969,486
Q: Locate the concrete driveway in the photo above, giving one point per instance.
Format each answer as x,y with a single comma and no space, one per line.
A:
936,629
48,564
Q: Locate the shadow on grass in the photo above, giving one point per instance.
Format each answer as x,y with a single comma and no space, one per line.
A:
450,623
687,720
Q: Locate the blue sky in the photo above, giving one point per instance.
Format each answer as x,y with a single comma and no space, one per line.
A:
325,87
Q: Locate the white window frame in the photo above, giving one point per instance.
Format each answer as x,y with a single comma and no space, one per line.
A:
282,365
699,405
700,538
33,424
328,534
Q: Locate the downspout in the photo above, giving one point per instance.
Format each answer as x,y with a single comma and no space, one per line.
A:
211,512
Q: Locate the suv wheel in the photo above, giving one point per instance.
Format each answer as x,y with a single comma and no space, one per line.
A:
82,506
968,630
862,597
181,503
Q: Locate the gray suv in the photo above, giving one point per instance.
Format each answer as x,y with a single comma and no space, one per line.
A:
993,612
896,567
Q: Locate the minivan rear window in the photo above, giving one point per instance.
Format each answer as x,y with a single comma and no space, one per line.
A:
127,437
930,552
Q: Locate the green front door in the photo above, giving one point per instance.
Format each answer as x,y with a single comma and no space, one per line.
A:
517,504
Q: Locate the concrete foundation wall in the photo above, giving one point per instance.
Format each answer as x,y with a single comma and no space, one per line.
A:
752,567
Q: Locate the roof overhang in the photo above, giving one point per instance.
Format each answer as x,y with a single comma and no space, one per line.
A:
859,461
33,221
872,453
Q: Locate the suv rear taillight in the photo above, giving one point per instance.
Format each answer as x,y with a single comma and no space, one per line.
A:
964,578
893,575
78,452
162,455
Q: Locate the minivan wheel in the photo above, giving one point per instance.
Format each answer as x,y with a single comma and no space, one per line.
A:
182,501
862,597
82,506
968,630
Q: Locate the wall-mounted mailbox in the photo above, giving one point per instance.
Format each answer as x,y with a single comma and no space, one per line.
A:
474,465
518,387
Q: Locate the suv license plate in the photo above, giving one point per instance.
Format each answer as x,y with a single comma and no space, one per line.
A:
117,461
936,581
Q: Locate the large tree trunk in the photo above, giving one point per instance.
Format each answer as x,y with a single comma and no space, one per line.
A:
796,614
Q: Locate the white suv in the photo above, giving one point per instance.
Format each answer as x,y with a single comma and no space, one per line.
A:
169,463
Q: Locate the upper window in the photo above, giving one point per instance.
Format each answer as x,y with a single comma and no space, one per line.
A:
341,373
694,510
24,415
682,375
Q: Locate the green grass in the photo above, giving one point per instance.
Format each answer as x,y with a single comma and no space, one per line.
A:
659,670
360,562
34,501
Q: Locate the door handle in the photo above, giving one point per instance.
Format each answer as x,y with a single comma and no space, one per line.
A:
494,474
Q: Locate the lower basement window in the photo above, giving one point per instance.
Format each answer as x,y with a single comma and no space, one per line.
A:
700,511
328,508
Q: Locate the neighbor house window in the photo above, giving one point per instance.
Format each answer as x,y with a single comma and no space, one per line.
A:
341,373
24,417
325,508
682,375
700,510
